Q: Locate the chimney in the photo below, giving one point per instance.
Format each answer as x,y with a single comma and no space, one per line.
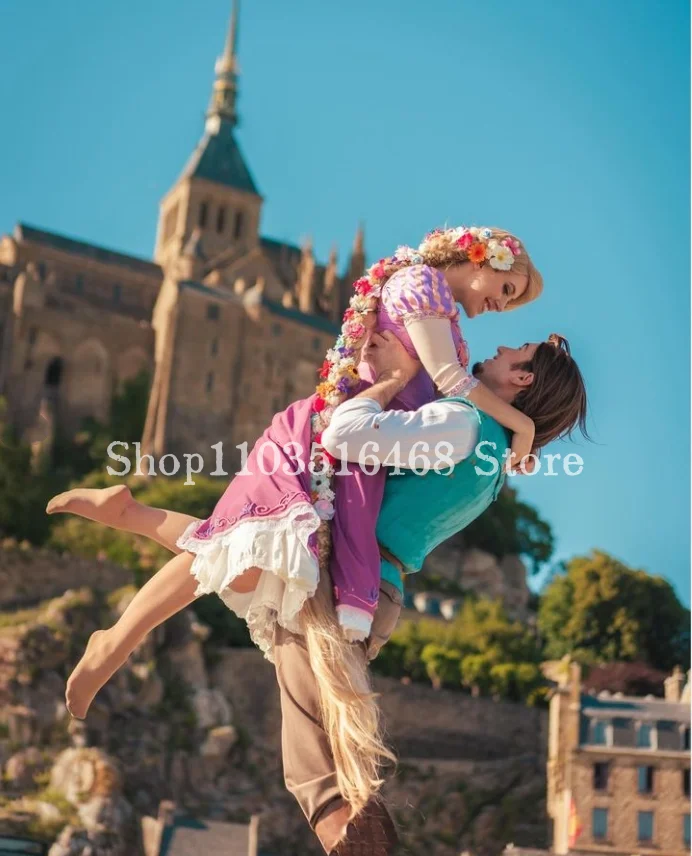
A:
672,686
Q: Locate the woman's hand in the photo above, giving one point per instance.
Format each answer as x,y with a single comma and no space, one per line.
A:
522,446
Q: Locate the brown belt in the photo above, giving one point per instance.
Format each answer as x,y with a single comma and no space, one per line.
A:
391,558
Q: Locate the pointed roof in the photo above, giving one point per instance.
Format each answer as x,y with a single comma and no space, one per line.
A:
218,158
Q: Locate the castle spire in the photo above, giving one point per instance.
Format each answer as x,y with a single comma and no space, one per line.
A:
222,107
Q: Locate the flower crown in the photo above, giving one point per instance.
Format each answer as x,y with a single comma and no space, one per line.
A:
339,372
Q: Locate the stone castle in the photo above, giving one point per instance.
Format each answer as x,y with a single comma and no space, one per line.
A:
230,325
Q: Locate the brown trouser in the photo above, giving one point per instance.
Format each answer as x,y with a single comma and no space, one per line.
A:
308,764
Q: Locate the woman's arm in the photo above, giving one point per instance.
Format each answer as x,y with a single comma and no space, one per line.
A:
432,339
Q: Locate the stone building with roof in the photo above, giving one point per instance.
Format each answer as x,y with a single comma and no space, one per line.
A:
619,769
229,324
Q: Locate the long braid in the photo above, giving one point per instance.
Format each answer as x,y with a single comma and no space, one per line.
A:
349,708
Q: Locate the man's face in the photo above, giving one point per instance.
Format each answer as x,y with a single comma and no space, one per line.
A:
503,373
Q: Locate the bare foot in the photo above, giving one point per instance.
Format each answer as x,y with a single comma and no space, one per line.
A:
98,664
104,505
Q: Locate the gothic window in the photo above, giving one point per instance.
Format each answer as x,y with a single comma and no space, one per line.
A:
210,381
686,739
686,781
220,219
214,347
53,372
117,293
203,215
79,284
213,312
238,225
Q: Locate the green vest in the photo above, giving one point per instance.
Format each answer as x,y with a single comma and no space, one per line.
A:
419,512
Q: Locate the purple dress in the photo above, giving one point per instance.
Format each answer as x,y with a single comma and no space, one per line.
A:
268,520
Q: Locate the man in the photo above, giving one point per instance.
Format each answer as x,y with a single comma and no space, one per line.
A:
541,379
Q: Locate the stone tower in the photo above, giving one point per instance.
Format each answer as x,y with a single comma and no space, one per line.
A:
216,192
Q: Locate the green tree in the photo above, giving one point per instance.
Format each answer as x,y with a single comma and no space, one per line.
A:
510,527
442,665
600,611
475,672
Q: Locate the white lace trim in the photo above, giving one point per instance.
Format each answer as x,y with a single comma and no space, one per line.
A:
463,388
279,546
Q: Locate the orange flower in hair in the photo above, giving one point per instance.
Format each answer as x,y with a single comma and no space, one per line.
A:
476,253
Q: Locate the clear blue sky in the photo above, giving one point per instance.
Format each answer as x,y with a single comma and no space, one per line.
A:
565,122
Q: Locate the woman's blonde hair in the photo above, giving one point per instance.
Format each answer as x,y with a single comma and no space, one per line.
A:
350,712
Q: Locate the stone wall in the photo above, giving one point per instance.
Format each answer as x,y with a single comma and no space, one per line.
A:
29,575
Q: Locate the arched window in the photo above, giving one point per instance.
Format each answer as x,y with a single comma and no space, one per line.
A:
117,293
220,219
238,225
203,215
53,373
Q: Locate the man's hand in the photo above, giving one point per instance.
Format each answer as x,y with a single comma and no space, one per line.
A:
389,358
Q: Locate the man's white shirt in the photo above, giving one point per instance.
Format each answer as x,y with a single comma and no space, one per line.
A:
366,432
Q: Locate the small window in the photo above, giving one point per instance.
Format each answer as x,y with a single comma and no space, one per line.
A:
214,347
117,293
33,333
644,735
220,219
686,739
210,381
599,822
203,215
41,270
600,776
645,780
686,829
79,284
645,826
238,225
213,312
599,733
686,782
316,344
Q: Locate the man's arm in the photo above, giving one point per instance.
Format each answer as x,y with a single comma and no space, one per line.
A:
360,429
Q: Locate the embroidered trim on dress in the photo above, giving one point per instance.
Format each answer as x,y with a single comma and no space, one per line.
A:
463,388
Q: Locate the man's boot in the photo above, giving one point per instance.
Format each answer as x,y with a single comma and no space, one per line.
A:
371,833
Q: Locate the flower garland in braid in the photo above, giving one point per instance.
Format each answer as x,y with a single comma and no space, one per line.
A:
339,372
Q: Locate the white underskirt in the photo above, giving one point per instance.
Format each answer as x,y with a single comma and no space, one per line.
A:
279,546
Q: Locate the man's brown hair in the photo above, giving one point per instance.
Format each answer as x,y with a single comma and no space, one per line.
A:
556,400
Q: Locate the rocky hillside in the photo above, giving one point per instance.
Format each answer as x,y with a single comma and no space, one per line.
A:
201,725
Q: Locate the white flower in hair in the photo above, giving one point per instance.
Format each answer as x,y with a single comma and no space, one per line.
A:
486,234
474,231
501,257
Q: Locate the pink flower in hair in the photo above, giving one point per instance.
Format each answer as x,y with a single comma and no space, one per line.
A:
378,271
362,285
513,246
354,329
465,241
